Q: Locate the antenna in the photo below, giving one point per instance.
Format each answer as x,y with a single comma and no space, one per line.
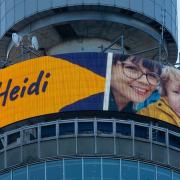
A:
17,39
34,43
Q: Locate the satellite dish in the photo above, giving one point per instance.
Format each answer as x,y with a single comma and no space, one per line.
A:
16,39
34,43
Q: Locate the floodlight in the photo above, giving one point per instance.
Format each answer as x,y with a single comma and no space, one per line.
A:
34,43
16,39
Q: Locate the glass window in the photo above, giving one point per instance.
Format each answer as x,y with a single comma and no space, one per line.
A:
1,143
123,129
176,176
158,136
129,170
92,169
6,176
13,138
104,127
54,170
36,172
147,172
174,141
66,128
111,169
141,132
48,131
30,134
20,174
163,174
73,169
85,127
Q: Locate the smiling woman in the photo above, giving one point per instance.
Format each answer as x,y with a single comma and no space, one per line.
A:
133,79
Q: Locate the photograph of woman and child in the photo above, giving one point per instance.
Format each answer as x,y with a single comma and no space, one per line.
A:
145,87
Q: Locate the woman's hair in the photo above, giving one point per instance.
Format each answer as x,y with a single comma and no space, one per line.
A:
169,73
151,65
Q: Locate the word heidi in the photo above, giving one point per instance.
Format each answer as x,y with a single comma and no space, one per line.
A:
12,93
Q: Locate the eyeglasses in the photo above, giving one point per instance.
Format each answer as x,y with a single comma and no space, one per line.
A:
134,72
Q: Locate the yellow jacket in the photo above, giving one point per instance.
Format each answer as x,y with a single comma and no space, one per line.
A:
161,110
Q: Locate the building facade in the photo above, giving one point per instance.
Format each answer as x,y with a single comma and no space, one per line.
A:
55,128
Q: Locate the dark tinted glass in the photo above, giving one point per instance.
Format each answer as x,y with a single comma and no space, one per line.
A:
104,128
85,127
13,138
141,132
174,141
66,128
123,129
48,131
1,143
158,136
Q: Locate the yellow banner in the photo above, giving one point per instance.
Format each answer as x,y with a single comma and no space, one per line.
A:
42,86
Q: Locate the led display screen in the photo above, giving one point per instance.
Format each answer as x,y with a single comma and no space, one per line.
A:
89,81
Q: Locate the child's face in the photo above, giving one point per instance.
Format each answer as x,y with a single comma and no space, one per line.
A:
173,95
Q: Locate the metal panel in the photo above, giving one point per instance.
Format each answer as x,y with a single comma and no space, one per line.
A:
13,156
33,6
173,13
67,146
168,21
122,3
105,145
107,2
3,25
86,145
124,147
9,5
46,151
74,2
159,153
174,28
91,2
148,7
2,160
19,10
174,2
136,5
57,3
2,15
30,152
158,13
142,149
160,2
174,158
168,5
10,18
3,9
30,7
44,5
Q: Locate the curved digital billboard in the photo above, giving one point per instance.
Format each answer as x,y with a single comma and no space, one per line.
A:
89,81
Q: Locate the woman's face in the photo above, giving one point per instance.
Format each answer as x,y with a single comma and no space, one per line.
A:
135,90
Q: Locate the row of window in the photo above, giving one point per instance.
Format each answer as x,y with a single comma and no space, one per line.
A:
91,127
91,168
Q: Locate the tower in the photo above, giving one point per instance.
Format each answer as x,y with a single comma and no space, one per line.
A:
81,141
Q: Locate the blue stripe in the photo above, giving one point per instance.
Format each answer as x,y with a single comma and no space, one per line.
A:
95,62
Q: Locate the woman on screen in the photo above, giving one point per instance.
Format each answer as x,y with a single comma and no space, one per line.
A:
168,107
133,79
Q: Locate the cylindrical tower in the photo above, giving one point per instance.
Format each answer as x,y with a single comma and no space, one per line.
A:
81,26
62,64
